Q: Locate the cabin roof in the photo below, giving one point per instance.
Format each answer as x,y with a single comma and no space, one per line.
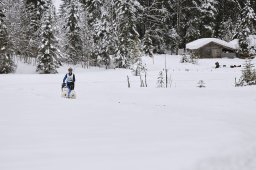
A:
197,44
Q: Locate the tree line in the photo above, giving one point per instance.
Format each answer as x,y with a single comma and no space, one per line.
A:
115,32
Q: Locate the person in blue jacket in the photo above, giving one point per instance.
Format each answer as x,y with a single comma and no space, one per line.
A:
69,80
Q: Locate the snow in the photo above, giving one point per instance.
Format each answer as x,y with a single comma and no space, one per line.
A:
3,48
204,41
251,40
235,43
24,68
112,127
57,3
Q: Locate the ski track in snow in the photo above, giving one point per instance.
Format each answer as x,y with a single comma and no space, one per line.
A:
112,127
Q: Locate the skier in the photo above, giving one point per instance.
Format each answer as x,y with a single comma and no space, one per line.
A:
69,81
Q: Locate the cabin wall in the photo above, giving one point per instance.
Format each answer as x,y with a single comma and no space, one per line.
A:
210,51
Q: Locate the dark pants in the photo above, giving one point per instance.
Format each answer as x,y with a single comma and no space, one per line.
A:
71,85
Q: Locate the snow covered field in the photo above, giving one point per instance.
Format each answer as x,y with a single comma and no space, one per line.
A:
112,127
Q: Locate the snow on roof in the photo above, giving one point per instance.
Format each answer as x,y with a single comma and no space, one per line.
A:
234,43
252,40
204,41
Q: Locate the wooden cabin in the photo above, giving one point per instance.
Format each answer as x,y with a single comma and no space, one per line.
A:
212,48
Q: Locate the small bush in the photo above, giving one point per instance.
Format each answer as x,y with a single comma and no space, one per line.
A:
189,58
7,65
248,75
160,80
201,84
139,68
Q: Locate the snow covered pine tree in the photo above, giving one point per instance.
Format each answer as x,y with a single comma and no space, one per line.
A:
248,17
208,15
73,47
31,16
129,43
153,26
160,80
148,45
6,63
248,75
105,35
48,57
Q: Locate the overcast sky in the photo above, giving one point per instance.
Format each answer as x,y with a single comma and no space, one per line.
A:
57,3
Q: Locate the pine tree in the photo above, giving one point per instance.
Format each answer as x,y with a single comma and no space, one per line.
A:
6,63
106,38
87,38
248,74
74,24
61,25
227,30
148,45
208,14
248,17
186,14
129,43
102,25
111,29
48,57
94,9
136,49
31,26
73,46
13,23
172,40
153,25
226,19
